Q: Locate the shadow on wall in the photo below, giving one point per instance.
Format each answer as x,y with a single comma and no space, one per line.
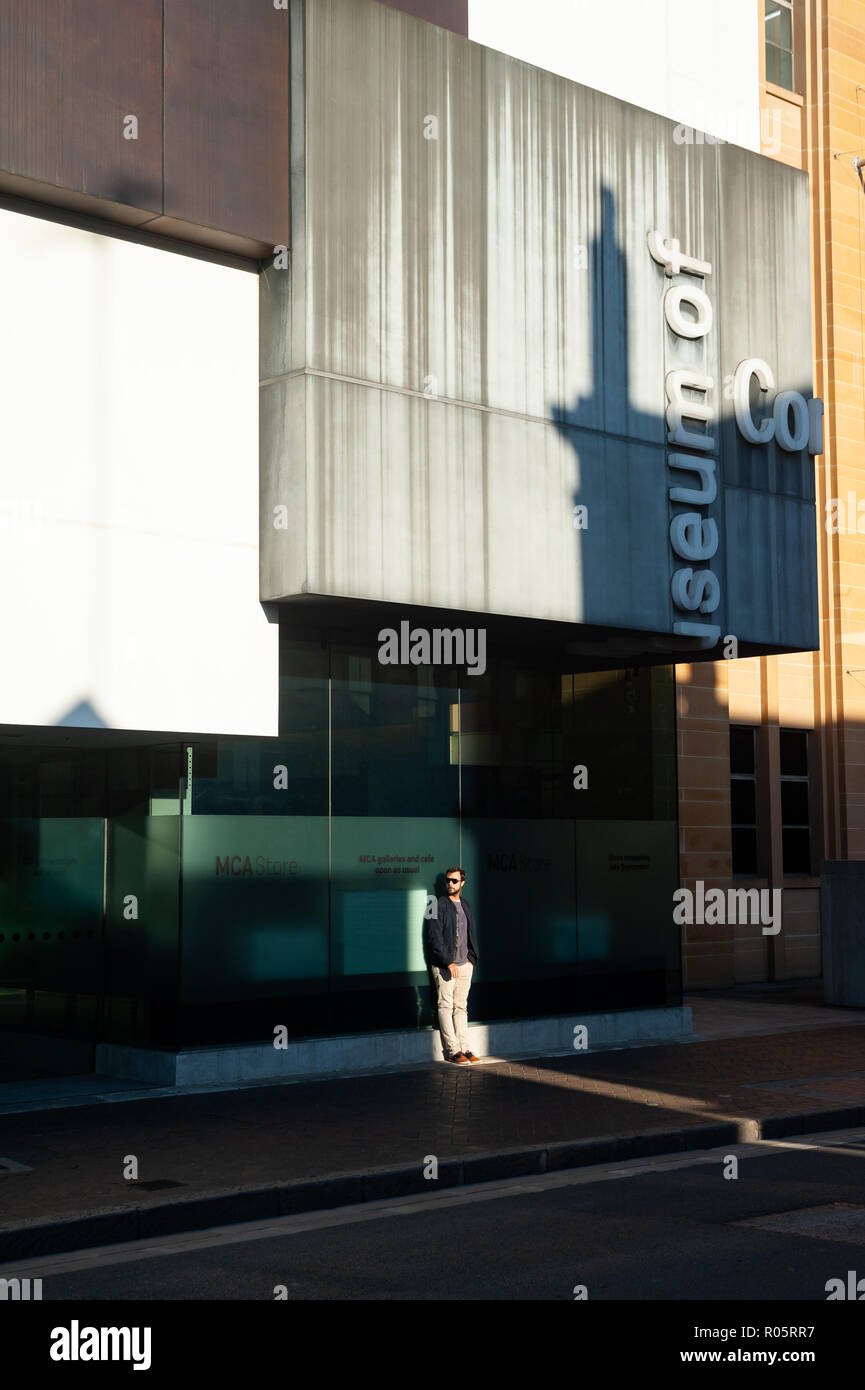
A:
716,500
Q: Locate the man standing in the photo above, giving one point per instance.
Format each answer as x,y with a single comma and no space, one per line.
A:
453,954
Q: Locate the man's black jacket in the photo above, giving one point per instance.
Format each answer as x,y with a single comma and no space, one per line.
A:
442,935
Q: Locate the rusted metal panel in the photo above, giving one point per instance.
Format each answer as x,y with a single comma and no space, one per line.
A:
226,117
72,74
83,123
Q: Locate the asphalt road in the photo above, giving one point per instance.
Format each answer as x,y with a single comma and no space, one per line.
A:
661,1228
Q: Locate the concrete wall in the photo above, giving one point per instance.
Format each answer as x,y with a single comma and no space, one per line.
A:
473,329
696,61
128,488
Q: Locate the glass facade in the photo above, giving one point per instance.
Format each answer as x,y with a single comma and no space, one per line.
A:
199,892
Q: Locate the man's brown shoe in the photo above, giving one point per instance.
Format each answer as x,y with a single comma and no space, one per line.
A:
470,1056
459,1057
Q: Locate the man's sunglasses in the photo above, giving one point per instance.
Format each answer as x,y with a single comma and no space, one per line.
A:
453,880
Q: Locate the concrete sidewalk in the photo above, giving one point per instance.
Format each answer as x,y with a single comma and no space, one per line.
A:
221,1155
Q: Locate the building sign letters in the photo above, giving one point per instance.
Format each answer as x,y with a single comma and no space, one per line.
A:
795,424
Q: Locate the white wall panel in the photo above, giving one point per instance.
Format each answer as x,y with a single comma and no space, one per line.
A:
695,61
129,488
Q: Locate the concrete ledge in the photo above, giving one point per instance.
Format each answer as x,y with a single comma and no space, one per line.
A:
364,1052
344,1189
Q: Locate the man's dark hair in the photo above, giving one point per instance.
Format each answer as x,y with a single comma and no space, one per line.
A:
455,869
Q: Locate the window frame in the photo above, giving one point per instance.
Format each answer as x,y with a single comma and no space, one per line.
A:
797,50
808,778
755,777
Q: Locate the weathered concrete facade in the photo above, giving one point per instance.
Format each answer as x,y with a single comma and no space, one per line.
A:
473,341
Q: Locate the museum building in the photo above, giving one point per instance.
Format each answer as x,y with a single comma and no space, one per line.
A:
410,413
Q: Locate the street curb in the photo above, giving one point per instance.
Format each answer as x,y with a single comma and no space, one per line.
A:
376,1185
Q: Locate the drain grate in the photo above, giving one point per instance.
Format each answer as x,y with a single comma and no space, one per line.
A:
836,1221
